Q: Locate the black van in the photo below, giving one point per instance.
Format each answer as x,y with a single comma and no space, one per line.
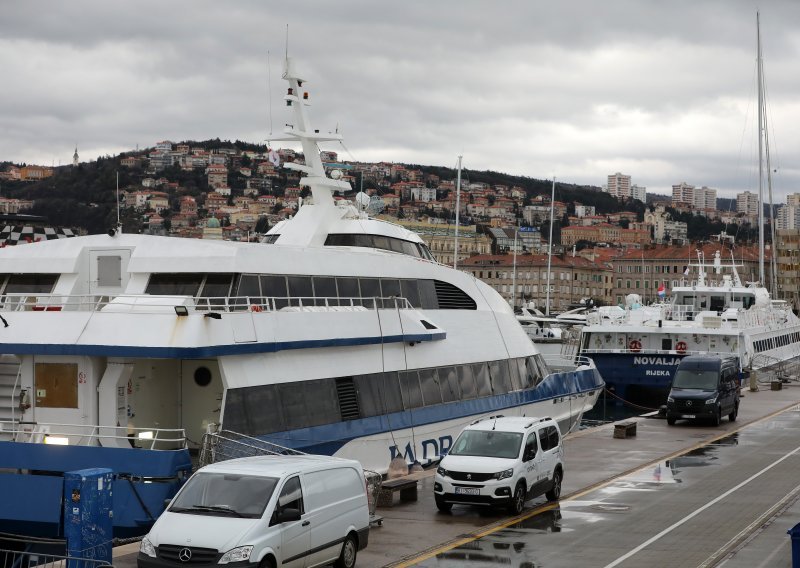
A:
704,386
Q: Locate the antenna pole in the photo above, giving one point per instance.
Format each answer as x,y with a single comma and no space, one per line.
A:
118,223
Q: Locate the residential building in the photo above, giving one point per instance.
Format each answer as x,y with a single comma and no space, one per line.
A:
639,193
619,186
35,173
747,203
525,278
603,233
788,217
787,249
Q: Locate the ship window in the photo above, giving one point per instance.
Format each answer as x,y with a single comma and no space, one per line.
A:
248,286
293,404
348,291
409,386
202,376
410,291
274,288
482,380
427,295
320,398
666,344
263,409
300,290
429,381
166,284
380,242
30,283
513,374
448,382
501,382
378,394
216,289
390,288
235,416
466,382
325,291
410,248
370,289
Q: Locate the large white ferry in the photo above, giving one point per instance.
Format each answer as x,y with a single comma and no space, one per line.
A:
339,334
638,350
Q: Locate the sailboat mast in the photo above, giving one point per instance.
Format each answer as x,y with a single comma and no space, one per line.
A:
458,210
550,247
761,277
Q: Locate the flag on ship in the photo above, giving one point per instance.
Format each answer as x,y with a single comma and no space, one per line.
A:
662,291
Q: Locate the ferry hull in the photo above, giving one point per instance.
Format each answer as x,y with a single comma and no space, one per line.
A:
643,380
424,434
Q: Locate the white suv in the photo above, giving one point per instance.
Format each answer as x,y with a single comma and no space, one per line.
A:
502,461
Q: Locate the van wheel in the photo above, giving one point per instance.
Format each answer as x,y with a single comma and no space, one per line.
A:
347,559
267,562
732,416
443,505
555,491
717,417
518,501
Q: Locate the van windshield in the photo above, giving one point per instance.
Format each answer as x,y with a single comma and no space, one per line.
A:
225,495
487,443
703,380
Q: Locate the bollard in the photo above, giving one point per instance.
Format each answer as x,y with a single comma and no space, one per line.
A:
794,532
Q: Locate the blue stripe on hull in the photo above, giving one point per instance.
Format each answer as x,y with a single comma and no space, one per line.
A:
329,438
209,351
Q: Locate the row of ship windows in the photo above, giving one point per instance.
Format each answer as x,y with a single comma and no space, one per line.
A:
287,290
775,342
288,406
381,242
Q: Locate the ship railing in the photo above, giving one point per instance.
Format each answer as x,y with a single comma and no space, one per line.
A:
221,445
762,317
147,303
63,434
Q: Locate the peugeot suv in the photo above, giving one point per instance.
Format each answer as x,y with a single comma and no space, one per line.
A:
502,461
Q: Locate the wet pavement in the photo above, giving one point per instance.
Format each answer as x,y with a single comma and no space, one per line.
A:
686,495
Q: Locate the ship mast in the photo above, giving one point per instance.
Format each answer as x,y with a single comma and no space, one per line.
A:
761,277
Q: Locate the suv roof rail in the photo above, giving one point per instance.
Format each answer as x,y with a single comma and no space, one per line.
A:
493,417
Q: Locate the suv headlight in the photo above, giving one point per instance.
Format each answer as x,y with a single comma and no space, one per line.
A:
711,400
441,471
670,399
146,547
236,555
504,474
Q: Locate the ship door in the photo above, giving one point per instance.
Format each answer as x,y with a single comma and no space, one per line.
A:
201,397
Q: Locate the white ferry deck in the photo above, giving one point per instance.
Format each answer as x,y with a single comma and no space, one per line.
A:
686,495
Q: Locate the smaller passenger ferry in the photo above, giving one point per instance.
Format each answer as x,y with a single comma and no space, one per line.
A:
638,350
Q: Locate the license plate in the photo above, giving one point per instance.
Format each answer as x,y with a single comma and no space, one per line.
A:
467,491
689,416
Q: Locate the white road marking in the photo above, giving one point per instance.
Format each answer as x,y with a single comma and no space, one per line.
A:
687,518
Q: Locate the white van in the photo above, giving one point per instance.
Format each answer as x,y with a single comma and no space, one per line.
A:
264,512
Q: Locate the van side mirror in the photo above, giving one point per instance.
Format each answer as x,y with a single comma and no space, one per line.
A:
287,515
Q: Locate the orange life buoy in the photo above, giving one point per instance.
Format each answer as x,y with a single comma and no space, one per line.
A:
255,308
635,345
680,347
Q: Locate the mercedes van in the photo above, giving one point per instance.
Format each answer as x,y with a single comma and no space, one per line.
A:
704,387
264,512
501,461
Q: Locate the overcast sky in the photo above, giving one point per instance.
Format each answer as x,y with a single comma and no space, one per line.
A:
662,91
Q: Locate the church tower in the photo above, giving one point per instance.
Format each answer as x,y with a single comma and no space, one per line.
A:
75,158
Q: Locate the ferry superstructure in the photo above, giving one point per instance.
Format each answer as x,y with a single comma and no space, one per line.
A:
339,334
638,350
